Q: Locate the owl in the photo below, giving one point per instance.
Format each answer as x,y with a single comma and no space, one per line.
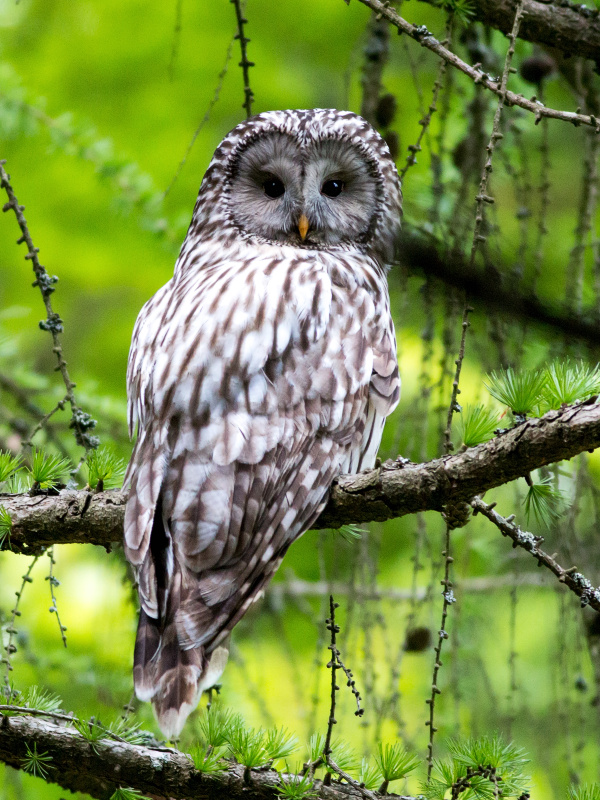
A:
262,370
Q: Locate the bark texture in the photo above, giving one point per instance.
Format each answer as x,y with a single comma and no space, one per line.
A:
157,773
572,28
395,489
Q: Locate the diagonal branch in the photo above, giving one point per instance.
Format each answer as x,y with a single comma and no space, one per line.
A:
395,489
572,28
160,772
427,40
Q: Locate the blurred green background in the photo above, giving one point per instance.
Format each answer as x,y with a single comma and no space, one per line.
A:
99,103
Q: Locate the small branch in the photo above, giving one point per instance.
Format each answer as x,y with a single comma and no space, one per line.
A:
578,583
53,584
244,63
10,646
334,630
424,254
80,421
395,489
572,28
420,34
160,772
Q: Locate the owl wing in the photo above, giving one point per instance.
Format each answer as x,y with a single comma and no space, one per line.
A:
249,404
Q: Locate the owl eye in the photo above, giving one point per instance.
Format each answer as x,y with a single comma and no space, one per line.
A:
273,187
332,188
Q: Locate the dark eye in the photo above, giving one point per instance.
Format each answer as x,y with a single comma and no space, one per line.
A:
273,187
332,188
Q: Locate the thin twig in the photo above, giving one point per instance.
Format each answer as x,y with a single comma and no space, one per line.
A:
53,583
420,34
577,583
81,422
244,63
205,118
10,647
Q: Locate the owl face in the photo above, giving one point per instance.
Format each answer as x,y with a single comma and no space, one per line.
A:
314,196
318,179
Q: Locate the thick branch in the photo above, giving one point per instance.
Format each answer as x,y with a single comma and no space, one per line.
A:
394,490
572,28
108,765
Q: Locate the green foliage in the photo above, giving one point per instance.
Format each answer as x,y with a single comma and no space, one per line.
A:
247,746
477,767
369,774
520,390
394,761
47,470
104,468
130,733
37,764
343,756
350,532
9,464
295,787
568,381
18,483
316,746
218,723
91,730
543,502
584,792
280,743
208,759
477,424
463,10
127,794
41,699
5,526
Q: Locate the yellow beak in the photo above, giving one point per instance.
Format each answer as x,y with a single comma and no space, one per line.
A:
303,226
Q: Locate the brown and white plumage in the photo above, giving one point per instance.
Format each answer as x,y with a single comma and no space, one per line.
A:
265,368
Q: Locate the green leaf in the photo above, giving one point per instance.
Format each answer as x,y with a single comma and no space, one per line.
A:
208,759
9,464
280,743
130,733
218,723
369,774
316,745
104,468
41,699
48,470
127,794
35,763
543,502
394,761
5,526
344,757
568,381
91,730
464,10
587,792
477,424
295,787
350,532
247,746
520,391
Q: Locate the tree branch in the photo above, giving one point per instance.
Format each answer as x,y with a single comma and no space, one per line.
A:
158,772
572,28
427,40
395,489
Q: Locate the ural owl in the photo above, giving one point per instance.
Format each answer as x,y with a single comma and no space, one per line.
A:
265,368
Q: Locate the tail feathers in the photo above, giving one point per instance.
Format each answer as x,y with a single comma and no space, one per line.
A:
172,678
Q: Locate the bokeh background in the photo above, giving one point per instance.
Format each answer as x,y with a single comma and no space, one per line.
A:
100,103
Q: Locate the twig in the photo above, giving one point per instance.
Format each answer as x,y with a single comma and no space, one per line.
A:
176,38
420,34
415,148
448,446
53,583
244,63
81,422
577,583
213,101
10,647
332,665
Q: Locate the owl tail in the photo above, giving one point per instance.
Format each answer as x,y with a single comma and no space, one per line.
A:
169,676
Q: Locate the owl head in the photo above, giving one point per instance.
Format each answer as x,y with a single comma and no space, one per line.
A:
318,179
